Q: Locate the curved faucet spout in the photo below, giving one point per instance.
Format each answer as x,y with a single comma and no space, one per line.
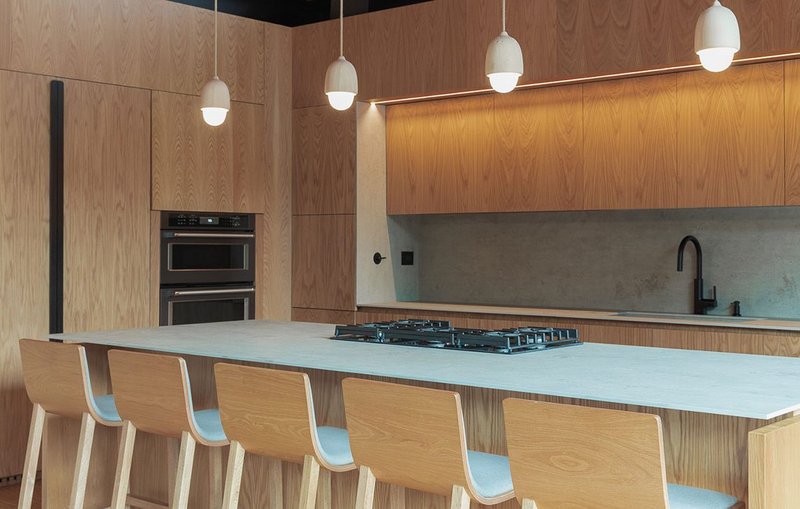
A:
698,249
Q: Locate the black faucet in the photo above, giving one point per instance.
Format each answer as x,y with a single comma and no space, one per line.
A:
701,304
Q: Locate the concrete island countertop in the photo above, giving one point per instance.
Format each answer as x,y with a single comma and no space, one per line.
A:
751,386
611,316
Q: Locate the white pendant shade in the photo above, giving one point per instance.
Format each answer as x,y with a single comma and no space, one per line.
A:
504,63
716,37
215,102
341,84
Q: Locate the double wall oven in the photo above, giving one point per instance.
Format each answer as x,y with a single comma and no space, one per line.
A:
207,267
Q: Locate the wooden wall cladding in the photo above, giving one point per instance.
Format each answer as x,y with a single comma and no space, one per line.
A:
107,204
323,316
731,137
487,153
792,99
323,262
630,141
154,44
324,162
24,242
198,167
440,46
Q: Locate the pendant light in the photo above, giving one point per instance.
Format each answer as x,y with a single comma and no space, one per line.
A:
504,63
215,100
341,80
716,37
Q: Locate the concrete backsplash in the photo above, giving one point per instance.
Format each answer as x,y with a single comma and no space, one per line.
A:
620,260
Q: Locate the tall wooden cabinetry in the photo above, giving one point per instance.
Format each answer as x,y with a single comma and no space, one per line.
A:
323,224
24,241
107,204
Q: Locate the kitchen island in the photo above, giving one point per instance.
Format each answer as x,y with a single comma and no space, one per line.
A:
709,402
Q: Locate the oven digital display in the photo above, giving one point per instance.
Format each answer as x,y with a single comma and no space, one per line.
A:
209,220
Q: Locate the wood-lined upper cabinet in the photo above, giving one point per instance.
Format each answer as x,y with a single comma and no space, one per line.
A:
107,206
204,168
731,137
24,241
630,141
323,262
792,132
324,161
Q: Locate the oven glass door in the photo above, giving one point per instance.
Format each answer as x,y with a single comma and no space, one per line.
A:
202,258
181,306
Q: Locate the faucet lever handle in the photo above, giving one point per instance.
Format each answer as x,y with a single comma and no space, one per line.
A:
714,293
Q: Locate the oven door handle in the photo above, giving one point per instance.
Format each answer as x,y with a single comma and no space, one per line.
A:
179,293
184,235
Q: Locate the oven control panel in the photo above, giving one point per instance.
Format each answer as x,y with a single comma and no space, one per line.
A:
206,221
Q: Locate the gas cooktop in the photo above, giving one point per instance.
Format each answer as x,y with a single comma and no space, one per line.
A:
440,334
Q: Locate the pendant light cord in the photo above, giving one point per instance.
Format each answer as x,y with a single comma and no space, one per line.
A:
504,15
341,28
215,37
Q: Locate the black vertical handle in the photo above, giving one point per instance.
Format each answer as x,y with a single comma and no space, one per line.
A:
56,207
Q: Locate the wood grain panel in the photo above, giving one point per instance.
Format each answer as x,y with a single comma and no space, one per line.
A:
630,142
774,466
323,262
24,241
324,161
731,137
199,167
274,284
792,125
323,316
152,44
107,204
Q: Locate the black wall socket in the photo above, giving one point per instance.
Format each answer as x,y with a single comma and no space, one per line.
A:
406,257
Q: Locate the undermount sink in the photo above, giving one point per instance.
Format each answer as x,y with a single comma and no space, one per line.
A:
681,316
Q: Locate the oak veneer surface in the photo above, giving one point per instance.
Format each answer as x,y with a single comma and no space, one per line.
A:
9,496
198,167
792,115
731,137
774,465
630,141
24,241
323,316
323,262
153,44
324,167
107,204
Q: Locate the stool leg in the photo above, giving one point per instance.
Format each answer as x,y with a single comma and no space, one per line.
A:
308,490
365,495
32,457
183,477
233,479
324,489
124,456
459,499
528,504
82,462
397,497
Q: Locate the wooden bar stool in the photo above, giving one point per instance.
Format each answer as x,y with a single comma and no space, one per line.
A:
153,395
57,381
414,437
582,457
271,413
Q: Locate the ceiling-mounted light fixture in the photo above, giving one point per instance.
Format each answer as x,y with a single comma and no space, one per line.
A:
341,80
215,100
504,63
716,37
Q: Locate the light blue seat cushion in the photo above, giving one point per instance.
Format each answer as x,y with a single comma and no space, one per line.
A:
491,474
106,408
686,497
209,425
335,445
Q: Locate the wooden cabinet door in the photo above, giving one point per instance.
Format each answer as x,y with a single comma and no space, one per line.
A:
792,117
731,137
630,142
106,206
24,241
204,168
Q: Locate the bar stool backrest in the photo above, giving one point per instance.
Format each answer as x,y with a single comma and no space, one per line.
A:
270,412
408,436
582,457
152,392
56,377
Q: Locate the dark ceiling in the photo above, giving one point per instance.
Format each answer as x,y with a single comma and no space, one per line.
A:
297,12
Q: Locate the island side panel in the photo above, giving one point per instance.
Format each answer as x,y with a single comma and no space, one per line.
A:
701,449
